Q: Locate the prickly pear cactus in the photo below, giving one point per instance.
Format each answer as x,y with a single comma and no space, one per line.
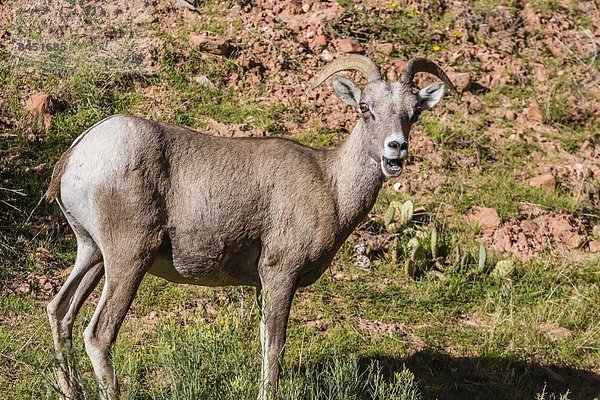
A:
395,221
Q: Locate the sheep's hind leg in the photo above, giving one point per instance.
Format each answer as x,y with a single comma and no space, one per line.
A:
63,309
124,270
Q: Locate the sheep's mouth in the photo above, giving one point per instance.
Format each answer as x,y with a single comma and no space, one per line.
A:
391,166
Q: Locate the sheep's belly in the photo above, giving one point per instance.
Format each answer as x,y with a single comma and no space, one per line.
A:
200,268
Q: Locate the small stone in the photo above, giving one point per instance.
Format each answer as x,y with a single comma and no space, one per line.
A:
320,41
204,81
594,246
363,262
397,186
398,65
44,254
349,46
546,182
294,7
183,4
486,217
384,48
510,115
555,332
39,107
533,112
449,211
392,75
596,231
326,56
462,81
213,45
306,7
575,241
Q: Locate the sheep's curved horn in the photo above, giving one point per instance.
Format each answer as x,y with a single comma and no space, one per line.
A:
365,65
424,65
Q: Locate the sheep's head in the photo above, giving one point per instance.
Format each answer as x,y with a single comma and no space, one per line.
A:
387,109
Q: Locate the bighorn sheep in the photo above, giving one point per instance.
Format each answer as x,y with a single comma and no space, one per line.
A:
149,197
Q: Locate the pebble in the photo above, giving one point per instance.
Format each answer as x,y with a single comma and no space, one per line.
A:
326,56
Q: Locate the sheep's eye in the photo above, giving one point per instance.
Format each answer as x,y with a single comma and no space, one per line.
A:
416,114
363,107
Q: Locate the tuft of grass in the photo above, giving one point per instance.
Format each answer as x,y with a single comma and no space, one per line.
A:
501,190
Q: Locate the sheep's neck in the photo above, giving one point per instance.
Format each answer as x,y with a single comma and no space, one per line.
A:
356,178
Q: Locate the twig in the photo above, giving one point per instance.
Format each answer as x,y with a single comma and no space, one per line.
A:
15,191
32,211
11,206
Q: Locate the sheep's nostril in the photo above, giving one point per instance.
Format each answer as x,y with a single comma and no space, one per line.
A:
404,146
394,145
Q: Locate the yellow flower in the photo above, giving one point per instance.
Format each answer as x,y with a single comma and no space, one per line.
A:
457,34
417,12
394,4
435,47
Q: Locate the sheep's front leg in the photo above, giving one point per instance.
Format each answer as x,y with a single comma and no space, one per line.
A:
276,300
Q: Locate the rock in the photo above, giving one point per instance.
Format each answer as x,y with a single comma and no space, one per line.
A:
546,182
594,246
349,46
558,225
487,218
294,7
43,254
305,7
326,56
183,4
398,65
204,81
213,45
574,240
39,108
331,13
319,42
462,81
596,231
449,211
510,115
363,262
533,112
392,75
384,48
555,332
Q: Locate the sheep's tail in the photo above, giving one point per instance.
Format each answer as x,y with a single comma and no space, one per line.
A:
54,188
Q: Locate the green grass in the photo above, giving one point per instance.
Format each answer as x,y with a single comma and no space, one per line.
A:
190,353
501,190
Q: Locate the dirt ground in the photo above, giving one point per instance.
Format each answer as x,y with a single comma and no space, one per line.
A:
526,72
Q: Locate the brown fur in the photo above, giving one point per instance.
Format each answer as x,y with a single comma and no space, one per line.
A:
192,208
53,191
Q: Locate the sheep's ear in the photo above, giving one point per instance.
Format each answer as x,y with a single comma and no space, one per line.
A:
431,95
347,90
